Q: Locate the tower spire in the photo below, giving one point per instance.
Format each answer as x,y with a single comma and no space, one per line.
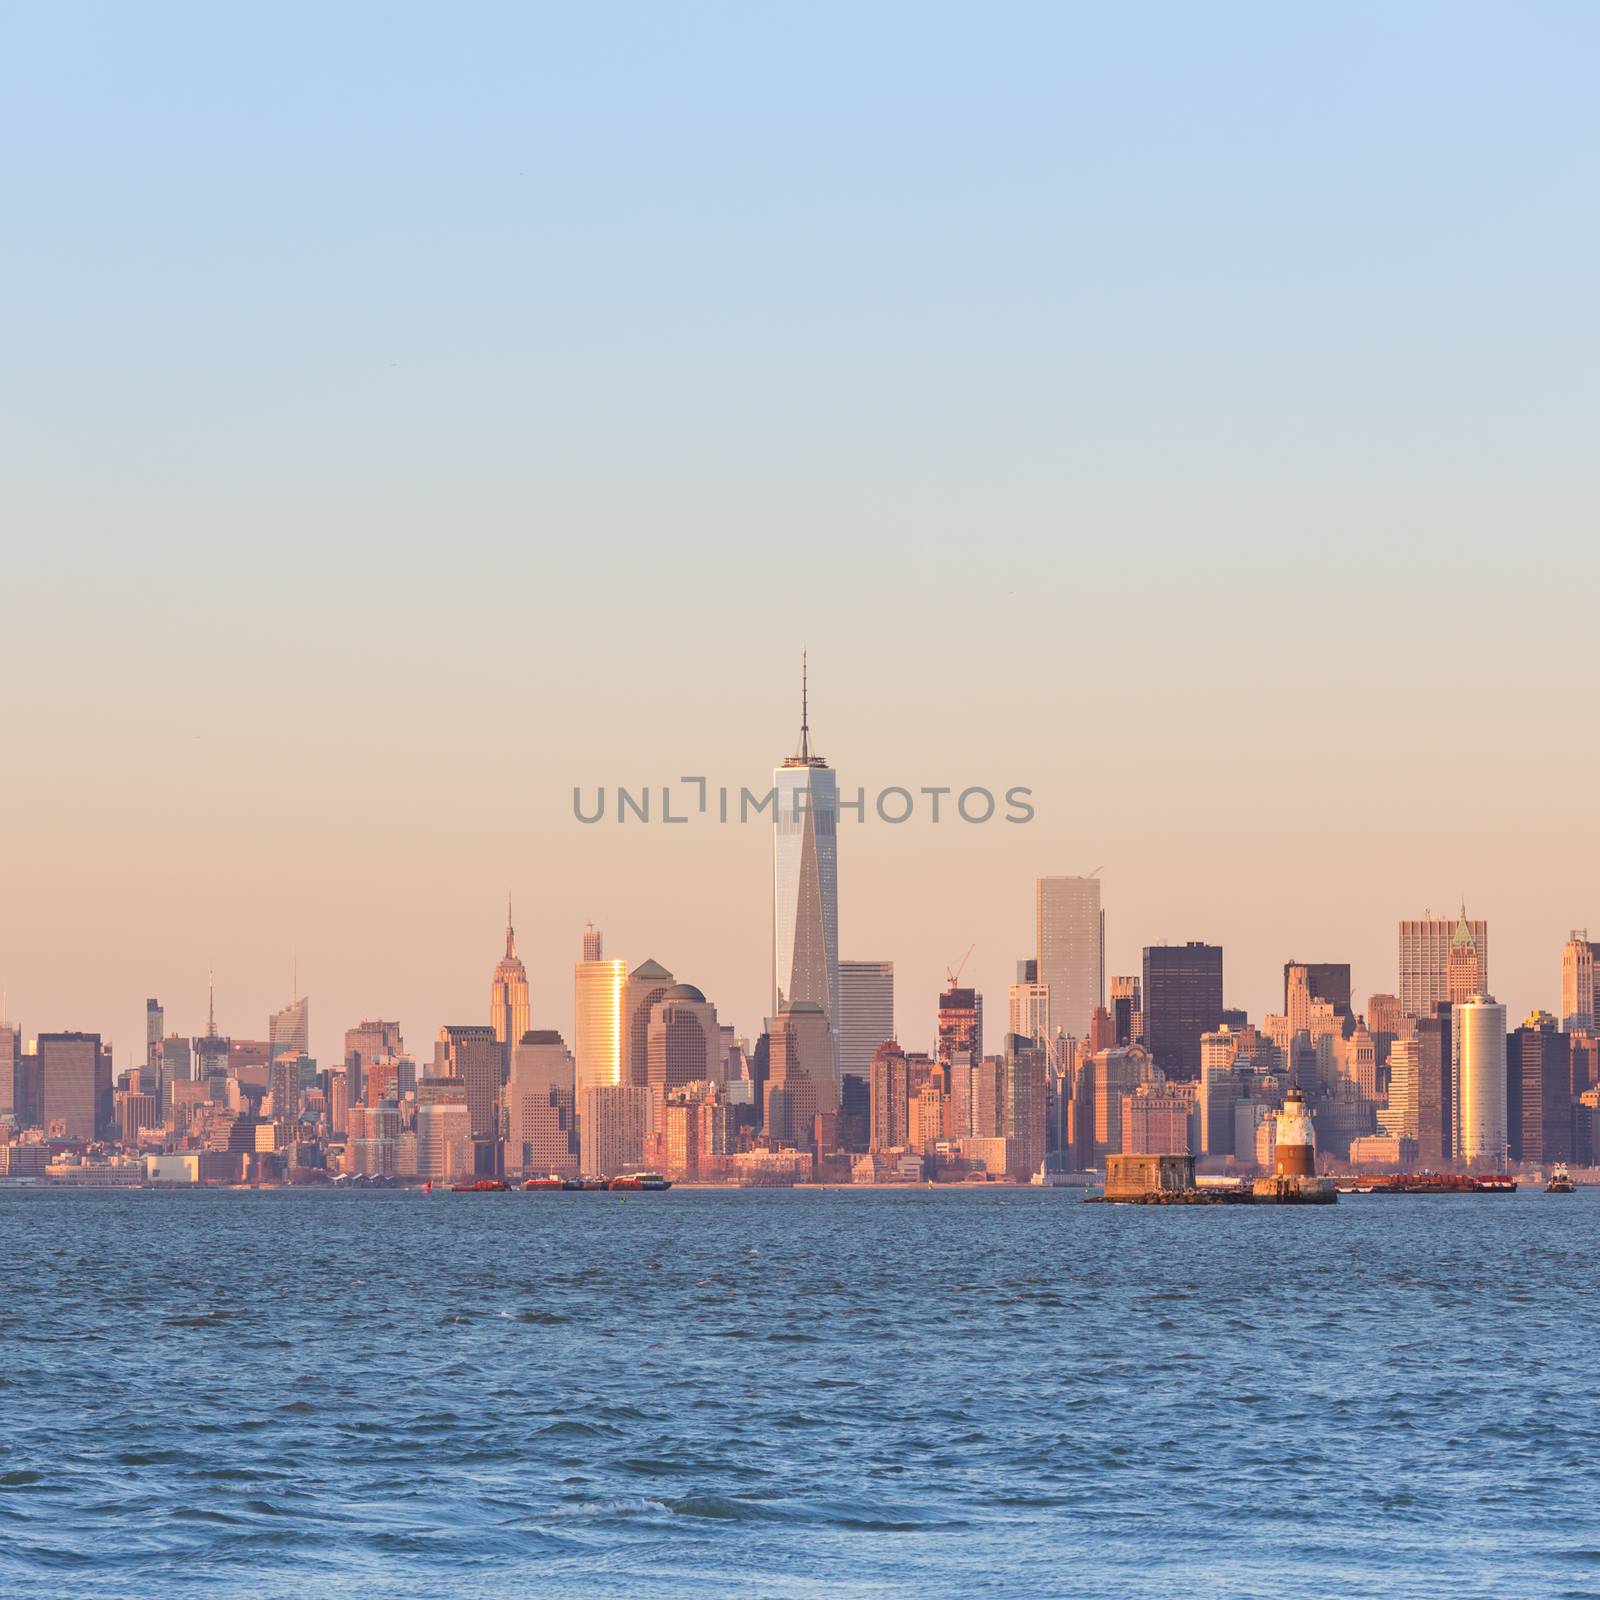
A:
211,1001
511,933
805,712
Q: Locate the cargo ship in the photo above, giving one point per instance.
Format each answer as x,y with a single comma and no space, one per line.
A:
641,1180
482,1186
1429,1183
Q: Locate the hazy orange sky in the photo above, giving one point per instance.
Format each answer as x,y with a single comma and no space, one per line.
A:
1189,420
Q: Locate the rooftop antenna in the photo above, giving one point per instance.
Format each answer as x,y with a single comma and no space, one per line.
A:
511,936
805,711
211,1001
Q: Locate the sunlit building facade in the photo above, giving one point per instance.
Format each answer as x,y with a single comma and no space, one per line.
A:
1069,930
866,1014
1478,1037
509,1011
598,1034
805,885
1425,945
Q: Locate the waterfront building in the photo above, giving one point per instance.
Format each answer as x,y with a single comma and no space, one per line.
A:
598,1037
445,1146
1478,1037
805,883
75,1085
1435,1088
1070,949
1425,946
1025,1097
614,1120
470,1053
1539,1092
890,1099
541,1107
694,1133
1578,967
866,1016
1182,1001
1403,1115
1219,1092
645,986
509,1008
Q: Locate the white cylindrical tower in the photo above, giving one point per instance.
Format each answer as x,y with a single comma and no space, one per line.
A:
1296,1155
1478,1036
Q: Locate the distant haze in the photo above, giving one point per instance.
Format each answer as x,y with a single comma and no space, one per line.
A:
1187,414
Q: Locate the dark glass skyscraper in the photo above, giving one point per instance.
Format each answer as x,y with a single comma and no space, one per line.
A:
1182,1000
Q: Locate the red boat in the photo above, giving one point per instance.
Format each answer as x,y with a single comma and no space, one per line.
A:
482,1186
641,1180
552,1182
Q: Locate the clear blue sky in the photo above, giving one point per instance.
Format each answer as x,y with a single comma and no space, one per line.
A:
406,412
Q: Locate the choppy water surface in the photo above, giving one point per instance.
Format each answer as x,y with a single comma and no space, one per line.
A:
788,1394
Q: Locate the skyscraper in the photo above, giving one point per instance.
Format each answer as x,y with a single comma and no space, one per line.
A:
470,1053
1425,945
290,1029
10,1069
960,1027
683,1041
1025,1098
1464,969
1578,983
801,1082
1028,1012
541,1108
645,986
155,1027
509,1013
1539,1091
1478,1036
890,1097
598,1042
1307,982
1127,1009
805,882
75,1085
866,1015
1070,937
363,1045
1182,1001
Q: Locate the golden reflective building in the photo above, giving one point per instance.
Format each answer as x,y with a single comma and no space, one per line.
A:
598,1035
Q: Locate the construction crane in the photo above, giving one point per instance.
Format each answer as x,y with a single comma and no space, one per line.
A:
955,977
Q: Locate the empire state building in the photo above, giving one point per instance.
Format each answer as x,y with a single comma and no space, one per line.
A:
805,881
508,993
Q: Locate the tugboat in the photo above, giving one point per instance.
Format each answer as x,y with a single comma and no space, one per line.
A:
1560,1180
641,1180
